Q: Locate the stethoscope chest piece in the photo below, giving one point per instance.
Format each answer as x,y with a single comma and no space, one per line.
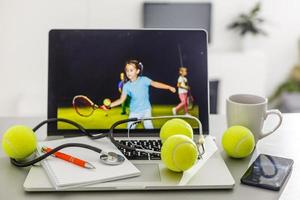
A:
112,158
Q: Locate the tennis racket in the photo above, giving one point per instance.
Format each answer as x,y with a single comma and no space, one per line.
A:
84,106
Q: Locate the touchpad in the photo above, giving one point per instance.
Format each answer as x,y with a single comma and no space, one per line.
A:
149,172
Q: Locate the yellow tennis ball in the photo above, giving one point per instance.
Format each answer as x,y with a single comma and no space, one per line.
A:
19,142
238,141
179,153
107,102
174,127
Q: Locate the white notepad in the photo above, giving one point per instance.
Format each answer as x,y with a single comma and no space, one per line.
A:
63,174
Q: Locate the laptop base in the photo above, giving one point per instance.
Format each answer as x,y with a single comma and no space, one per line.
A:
213,175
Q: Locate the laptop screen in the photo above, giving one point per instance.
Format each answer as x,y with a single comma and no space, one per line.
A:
97,77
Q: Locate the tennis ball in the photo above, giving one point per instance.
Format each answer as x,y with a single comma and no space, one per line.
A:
179,153
238,141
107,102
175,126
19,142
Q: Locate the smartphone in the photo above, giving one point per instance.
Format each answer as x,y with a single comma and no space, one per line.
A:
268,172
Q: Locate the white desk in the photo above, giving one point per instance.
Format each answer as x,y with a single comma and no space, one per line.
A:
285,142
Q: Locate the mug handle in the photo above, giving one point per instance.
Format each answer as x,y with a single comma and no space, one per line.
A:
270,112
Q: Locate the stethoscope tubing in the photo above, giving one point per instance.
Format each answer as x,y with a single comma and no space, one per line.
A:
98,136
19,163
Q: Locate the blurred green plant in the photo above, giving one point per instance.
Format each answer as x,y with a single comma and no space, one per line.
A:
291,85
249,22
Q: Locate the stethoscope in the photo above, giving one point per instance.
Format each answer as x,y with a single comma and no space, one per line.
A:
108,158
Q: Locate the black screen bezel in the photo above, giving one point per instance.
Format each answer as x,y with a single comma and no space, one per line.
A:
52,109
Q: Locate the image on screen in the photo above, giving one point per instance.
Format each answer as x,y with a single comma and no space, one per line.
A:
99,77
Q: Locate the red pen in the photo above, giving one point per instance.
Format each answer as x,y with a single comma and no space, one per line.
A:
69,158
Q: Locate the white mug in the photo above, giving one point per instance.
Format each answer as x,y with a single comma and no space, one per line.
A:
250,111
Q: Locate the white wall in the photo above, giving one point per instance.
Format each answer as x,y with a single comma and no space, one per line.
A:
24,27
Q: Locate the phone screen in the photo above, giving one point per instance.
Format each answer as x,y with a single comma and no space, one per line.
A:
268,172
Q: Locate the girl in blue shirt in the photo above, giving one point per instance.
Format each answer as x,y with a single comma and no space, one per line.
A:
138,89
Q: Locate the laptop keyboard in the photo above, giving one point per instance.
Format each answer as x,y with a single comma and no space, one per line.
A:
146,144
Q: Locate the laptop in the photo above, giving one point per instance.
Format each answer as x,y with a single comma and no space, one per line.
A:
93,64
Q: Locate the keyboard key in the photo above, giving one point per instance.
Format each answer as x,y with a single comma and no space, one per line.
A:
154,157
